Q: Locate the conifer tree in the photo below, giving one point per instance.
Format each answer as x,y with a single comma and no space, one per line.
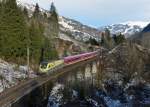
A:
53,19
36,11
115,38
102,39
50,52
36,40
120,38
13,31
1,38
53,8
93,41
52,31
25,11
107,39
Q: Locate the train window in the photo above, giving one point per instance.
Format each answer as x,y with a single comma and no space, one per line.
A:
50,66
44,65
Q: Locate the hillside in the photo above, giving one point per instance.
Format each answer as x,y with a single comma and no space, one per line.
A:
69,27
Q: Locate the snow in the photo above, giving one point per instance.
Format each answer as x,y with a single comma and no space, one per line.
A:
112,103
93,102
127,28
25,4
12,74
74,94
65,23
109,101
64,37
142,24
134,82
56,96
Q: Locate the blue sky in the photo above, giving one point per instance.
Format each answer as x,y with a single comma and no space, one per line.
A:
100,12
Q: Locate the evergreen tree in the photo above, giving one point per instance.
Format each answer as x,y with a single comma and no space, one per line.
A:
115,38
36,11
17,33
53,8
102,39
13,31
50,53
51,32
107,34
47,49
45,15
93,41
107,39
36,40
121,38
53,19
25,11
1,38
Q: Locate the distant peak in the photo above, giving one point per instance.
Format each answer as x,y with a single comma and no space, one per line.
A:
142,24
147,28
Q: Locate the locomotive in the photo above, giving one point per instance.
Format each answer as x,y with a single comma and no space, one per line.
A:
49,67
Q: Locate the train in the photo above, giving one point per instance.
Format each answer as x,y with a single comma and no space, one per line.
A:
49,67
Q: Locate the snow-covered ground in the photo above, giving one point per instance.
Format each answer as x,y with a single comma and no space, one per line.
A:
12,74
56,96
114,96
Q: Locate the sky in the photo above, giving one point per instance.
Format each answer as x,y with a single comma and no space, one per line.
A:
98,13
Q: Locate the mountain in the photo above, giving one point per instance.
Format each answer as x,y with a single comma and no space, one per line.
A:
143,37
77,30
69,28
146,29
127,28
73,30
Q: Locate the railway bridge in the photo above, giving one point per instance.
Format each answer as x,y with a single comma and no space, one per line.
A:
35,92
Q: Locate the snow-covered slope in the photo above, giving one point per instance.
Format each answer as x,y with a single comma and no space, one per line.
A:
77,30
70,27
127,28
11,74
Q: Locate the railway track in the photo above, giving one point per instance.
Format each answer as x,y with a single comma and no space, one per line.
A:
15,93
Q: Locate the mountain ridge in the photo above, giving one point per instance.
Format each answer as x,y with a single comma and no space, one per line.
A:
127,28
83,32
68,26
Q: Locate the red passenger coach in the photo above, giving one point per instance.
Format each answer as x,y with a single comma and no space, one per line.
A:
77,58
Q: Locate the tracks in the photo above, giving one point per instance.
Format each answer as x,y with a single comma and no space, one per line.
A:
15,93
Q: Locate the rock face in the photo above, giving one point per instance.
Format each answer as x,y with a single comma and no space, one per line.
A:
63,47
12,74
